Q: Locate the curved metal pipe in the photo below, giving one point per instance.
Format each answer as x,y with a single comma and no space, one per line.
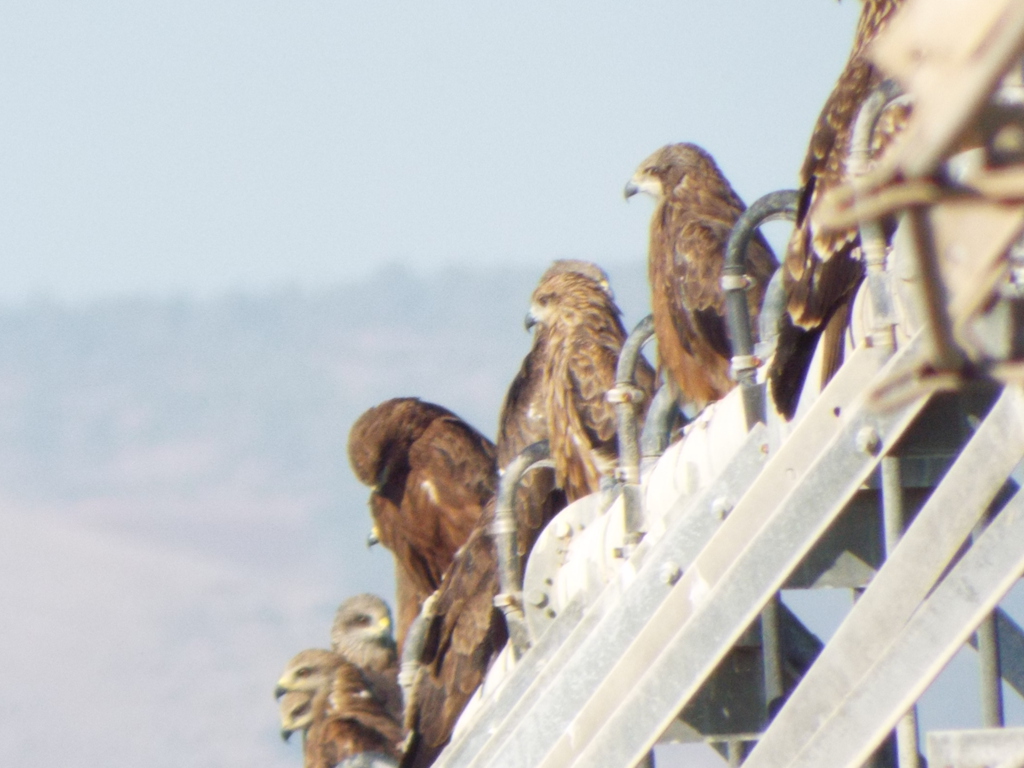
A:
504,533
872,237
624,396
661,414
770,207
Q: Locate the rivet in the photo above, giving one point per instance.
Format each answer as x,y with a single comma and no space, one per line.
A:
670,572
868,440
721,507
562,529
537,598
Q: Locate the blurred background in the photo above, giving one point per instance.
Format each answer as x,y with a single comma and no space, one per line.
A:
226,229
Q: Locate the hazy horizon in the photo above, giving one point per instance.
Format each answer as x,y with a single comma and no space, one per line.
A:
188,148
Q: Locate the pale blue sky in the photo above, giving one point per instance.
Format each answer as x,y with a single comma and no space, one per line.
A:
195,146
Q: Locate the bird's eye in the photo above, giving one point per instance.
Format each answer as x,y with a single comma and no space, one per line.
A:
543,301
302,672
362,620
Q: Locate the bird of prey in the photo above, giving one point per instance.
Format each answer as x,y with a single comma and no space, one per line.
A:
558,395
576,349
362,635
821,270
345,716
347,720
431,475
695,213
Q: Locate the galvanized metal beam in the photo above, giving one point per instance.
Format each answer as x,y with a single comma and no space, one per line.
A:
606,627
976,748
925,550
526,737
925,645
743,565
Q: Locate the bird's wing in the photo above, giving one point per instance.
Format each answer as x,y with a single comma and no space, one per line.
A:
523,419
820,269
353,698
584,422
523,422
466,633
698,257
452,474
349,720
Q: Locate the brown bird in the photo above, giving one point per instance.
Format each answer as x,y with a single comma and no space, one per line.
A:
689,231
345,716
431,475
574,356
821,270
558,395
347,720
362,635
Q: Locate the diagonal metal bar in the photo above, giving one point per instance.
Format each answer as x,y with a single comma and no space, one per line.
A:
594,643
925,645
551,650
525,739
924,552
534,735
743,565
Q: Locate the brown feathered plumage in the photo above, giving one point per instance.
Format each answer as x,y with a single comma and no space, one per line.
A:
689,231
347,720
558,395
821,271
362,635
431,475
345,717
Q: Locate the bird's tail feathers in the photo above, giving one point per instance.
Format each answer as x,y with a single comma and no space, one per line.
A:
793,353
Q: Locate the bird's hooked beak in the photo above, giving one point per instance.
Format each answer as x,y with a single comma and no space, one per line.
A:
530,320
280,691
286,735
630,190
373,537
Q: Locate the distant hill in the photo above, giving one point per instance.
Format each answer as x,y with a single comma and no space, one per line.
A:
178,513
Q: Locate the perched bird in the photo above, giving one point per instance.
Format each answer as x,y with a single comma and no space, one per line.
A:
347,720
558,395
345,717
308,672
821,270
362,635
431,475
696,210
362,632
575,352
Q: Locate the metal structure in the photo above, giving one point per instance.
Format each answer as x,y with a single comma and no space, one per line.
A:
656,614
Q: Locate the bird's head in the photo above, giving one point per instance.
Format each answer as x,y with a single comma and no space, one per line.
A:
308,672
363,631
296,710
382,435
663,171
566,291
